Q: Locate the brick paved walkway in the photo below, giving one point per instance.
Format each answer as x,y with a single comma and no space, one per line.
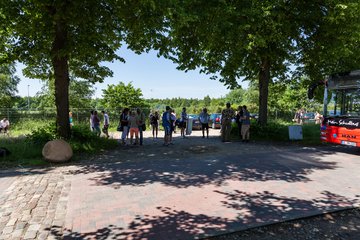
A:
164,195
32,205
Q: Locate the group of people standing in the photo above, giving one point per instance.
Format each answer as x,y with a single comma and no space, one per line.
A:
132,122
95,123
169,121
242,118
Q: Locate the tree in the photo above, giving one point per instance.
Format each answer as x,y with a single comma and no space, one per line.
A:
207,101
121,95
234,39
80,93
55,37
235,96
8,85
292,96
257,39
330,39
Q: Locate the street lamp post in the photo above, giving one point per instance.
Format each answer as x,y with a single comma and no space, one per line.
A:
28,98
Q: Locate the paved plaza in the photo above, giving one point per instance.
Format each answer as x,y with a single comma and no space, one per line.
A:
194,189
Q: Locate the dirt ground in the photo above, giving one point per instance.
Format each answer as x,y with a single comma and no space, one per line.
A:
339,225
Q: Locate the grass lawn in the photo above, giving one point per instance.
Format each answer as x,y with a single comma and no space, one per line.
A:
279,132
28,138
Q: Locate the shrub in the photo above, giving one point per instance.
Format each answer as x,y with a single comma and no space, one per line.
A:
278,131
82,133
274,131
42,135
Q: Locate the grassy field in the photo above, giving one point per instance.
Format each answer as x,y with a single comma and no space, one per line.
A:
27,139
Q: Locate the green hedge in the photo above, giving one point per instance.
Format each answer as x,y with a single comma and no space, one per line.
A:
278,131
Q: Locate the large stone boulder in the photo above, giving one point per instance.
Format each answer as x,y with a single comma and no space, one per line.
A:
57,151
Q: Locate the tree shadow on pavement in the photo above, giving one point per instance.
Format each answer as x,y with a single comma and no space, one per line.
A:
252,210
289,166
23,171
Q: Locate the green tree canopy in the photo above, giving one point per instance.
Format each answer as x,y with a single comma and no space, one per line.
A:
8,85
80,93
122,95
55,37
261,39
235,96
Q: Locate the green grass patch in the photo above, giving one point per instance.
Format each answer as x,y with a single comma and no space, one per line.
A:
278,131
22,153
25,127
27,150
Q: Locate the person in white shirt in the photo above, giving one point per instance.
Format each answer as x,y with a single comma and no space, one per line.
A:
4,125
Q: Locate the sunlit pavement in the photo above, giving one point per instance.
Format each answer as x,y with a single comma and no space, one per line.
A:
162,194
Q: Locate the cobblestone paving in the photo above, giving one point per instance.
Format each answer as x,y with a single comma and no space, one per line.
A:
33,205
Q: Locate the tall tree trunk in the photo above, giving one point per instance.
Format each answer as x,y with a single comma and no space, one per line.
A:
264,78
61,72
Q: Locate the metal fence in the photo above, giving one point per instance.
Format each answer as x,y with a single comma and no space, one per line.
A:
83,114
79,114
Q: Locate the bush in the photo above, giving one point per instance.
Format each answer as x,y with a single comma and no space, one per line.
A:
84,140
274,131
81,133
278,131
42,135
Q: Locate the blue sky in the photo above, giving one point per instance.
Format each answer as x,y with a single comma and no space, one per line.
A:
156,77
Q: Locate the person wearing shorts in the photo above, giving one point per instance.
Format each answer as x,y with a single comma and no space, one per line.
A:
167,125
134,127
